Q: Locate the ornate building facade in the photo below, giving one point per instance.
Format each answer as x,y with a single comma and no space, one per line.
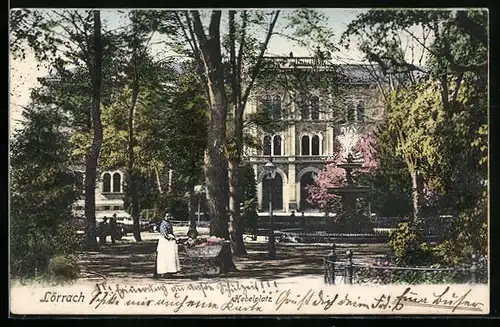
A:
109,195
311,122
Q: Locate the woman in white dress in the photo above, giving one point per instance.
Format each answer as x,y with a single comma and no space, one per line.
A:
167,258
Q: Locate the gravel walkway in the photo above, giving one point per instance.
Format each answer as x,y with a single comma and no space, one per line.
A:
130,260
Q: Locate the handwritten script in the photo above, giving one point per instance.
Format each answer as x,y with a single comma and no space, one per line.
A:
254,297
327,300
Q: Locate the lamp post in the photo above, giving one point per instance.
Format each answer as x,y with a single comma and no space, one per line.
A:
270,169
199,190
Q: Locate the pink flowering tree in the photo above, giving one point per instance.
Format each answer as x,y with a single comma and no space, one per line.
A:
333,176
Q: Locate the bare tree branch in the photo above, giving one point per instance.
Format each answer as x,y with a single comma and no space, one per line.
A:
257,66
191,39
198,27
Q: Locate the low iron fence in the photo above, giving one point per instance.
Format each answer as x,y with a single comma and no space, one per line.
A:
381,225
383,272
430,226
185,223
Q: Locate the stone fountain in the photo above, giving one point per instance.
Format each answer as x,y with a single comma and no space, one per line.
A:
349,220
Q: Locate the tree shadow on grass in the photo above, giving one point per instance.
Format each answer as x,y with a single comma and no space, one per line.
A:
137,261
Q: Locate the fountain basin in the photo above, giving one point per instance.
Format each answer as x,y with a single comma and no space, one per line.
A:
348,190
349,165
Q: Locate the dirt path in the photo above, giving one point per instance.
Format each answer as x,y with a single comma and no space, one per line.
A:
136,260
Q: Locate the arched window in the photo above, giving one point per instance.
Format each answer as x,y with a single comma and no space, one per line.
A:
267,104
277,107
315,145
305,111
305,145
267,145
117,183
106,183
350,113
314,107
272,145
361,111
277,145
277,189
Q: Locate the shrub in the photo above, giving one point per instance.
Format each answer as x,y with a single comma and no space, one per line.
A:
63,267
408,246
32,246
42,189
468,235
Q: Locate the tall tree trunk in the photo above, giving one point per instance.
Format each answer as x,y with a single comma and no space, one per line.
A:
215,169
417,192
216,165
95,149
235,232
236,187
158,179
216,178
134,202
132,173
235,200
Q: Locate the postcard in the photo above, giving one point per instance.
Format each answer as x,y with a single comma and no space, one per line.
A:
243,161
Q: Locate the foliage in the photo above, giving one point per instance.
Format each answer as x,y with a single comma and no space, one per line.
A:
408,246
21,22
391,183
184,129
436,103
170,129
176,204
43,188
146,189
62,39
438,146
63,268
413,115
470,230
455,40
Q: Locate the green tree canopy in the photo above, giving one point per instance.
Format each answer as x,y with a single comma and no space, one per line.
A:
43,188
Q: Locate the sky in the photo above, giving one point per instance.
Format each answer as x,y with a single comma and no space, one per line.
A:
24,73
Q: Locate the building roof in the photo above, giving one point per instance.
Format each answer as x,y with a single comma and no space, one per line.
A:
361,73
354,73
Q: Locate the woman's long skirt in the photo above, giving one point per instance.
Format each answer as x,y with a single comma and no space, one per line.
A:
167,259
